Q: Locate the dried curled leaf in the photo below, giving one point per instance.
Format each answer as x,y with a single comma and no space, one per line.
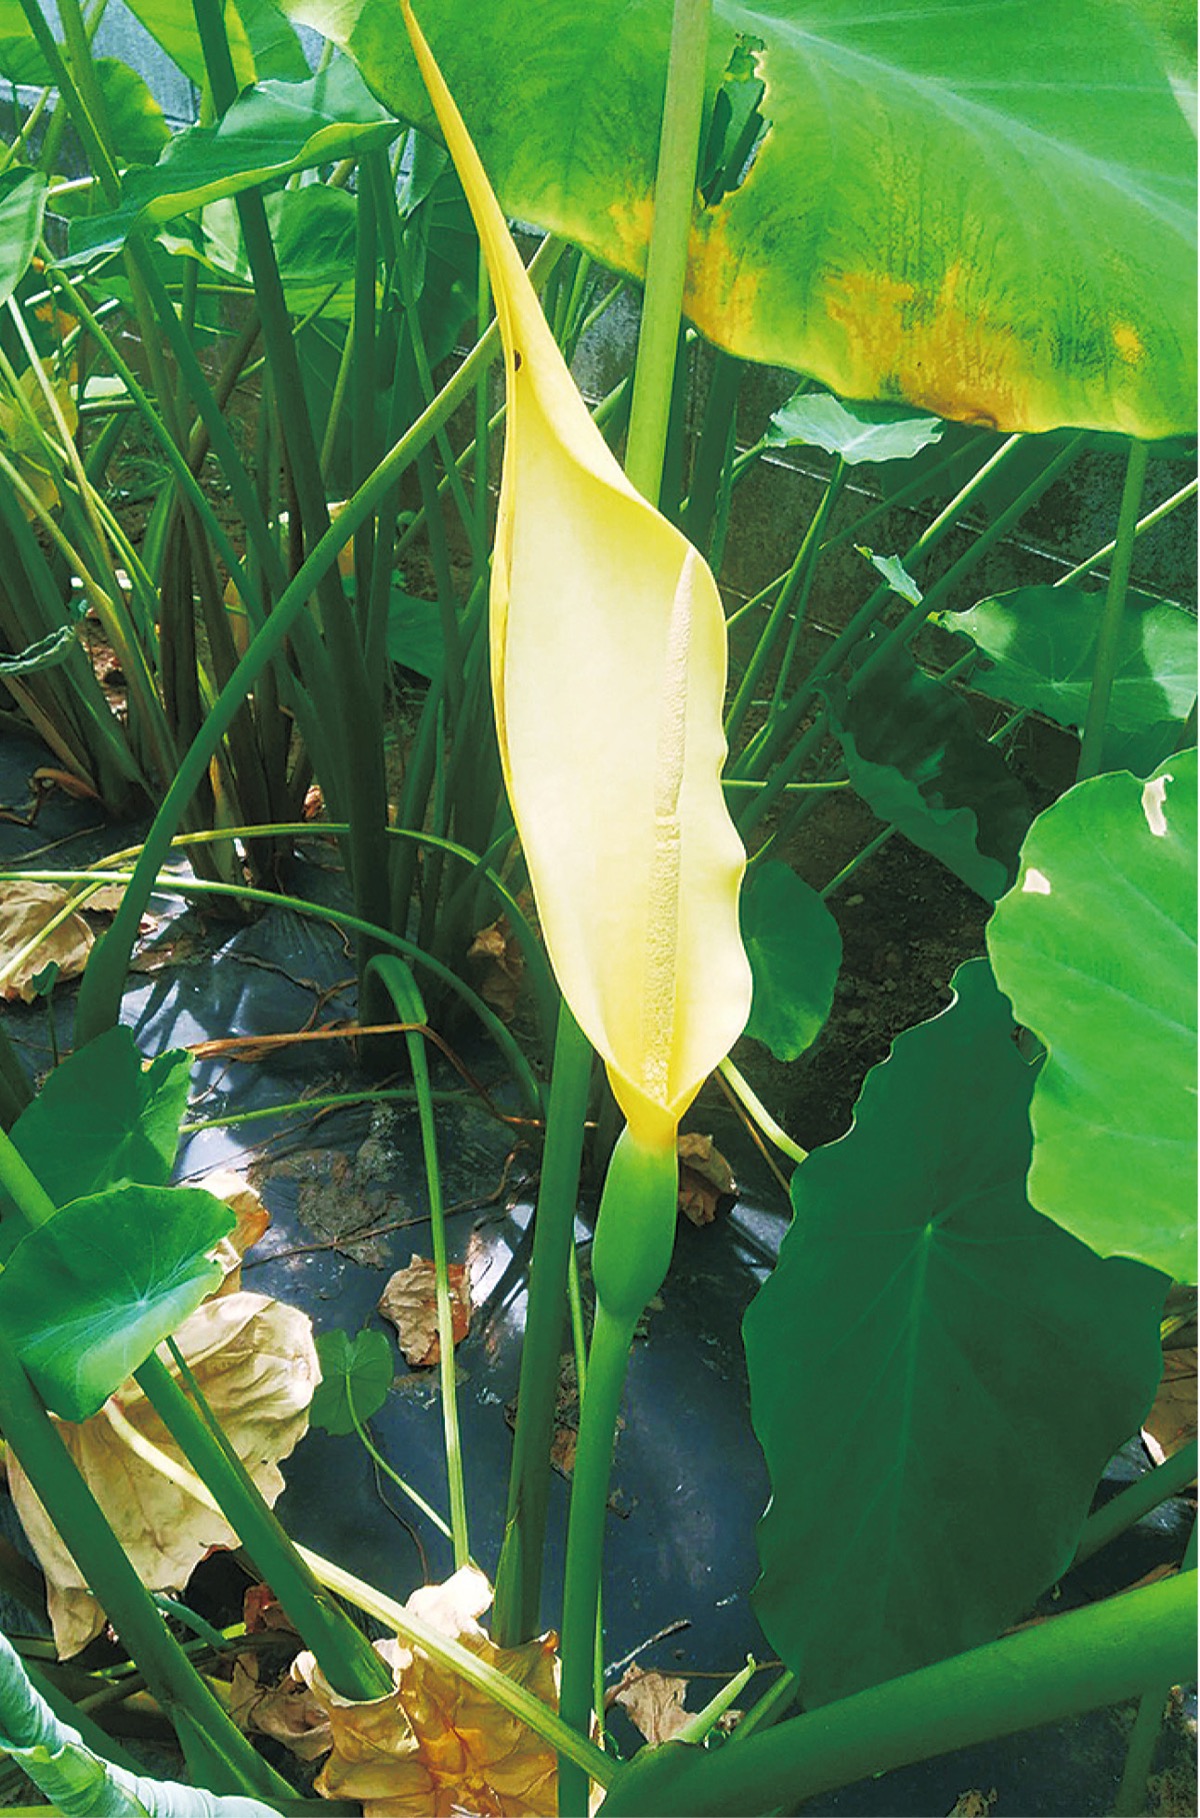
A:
410,1302
288,1711
608,673
252,1220
705,1178
255,1360
496,955
436,1747
25,911
654,1701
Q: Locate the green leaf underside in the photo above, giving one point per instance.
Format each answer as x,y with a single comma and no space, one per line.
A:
795,950
269,133
1040,649
929,216
361,1362
313,232
915,756
855,432
87,1297
961,1368
102,1118
1096,947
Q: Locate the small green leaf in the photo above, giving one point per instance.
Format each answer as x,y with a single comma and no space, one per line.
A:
938,1375
1040,649
268,133
86,1297
856,432
103,1117
359,1366
1096,947
43,982
795,950
895,574
914,754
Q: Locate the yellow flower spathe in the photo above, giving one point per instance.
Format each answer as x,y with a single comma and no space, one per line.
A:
608,672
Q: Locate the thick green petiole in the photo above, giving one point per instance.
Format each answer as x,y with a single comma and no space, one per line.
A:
635,1234
1108,643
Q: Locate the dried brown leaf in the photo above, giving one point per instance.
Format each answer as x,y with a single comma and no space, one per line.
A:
973,1804
500,966
435,1747
1171,1422
252,1220
654,1701
256,1362
705,1178
25,910
288,1711
410,1302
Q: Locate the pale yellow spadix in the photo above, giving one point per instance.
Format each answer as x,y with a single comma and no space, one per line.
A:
608,672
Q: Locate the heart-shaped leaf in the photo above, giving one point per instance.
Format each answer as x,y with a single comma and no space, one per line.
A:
1040,646
86,1297
261,41
359,1367
923,214
914,754
103,1116
1096,947
795,950
855,432
961,1368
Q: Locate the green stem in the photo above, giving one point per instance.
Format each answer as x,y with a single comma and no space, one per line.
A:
100,994
742,1089
774,1704
697,1728
1127,1508
1082,1661
402,989
666,265
1147,1725
519,1574
218,1754
376,1456
345,1655
1104,668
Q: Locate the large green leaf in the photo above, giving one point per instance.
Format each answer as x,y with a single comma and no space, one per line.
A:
984,209
1040,649
86,1297
103,1117
268,133
1096,947
795,949
22,205
915,756
261,40
855,432
136,122
938,1375
21,62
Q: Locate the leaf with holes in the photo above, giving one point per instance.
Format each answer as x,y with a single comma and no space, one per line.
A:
921,216
961,1368
1096,947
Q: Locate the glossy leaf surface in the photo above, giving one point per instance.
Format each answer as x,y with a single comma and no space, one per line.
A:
1040,649
22,205
915,756
1096,947
608,676
960,1369
102,1118
86,1297
795,950
986,210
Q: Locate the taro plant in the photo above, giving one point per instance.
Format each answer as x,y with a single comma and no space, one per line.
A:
989,1202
